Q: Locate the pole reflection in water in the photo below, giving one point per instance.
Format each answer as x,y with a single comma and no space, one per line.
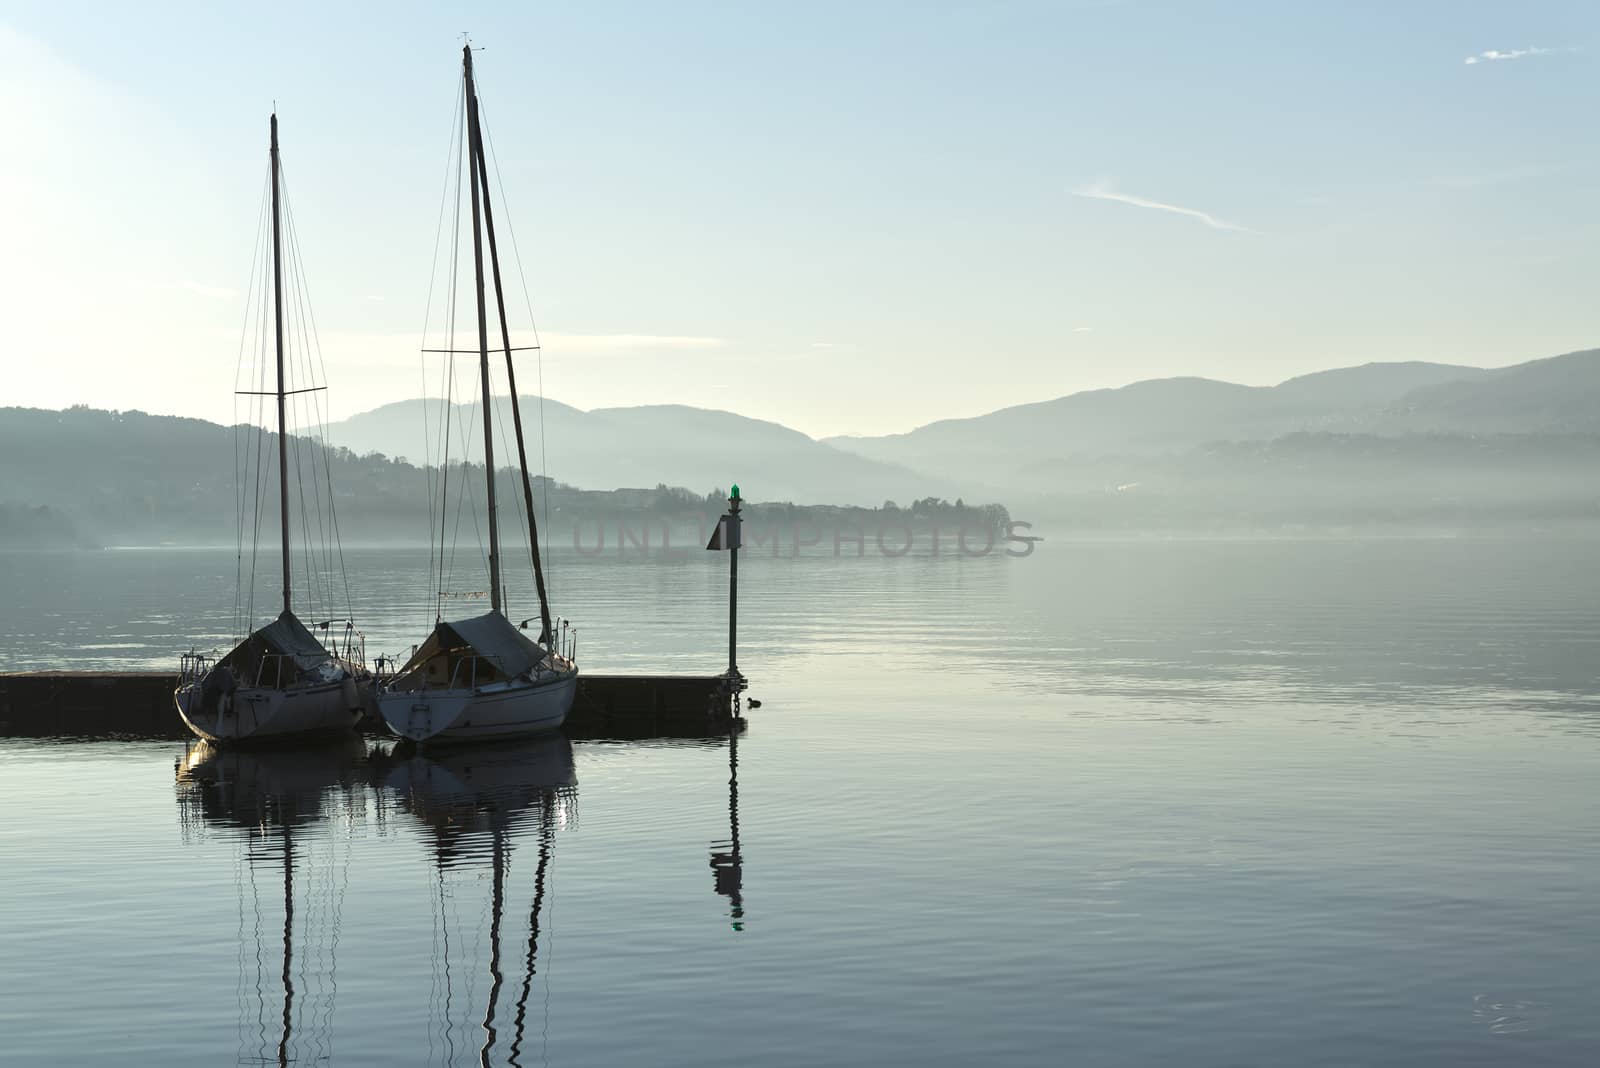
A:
475,802
727,861
272,802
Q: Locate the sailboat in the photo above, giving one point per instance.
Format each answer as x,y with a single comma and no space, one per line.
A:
280,681
483,677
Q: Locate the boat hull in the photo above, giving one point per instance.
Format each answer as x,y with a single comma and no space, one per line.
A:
258,714
505,710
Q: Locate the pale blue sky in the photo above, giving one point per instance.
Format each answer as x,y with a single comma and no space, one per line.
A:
845,217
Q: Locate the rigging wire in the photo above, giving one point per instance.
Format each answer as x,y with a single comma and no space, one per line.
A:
422,358
463,422
258,419
538,350
306,417
318,408
307,552
294,357
466,495
448,366
240,468
306,408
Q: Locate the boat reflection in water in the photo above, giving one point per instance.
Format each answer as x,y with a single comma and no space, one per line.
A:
270,802
475,803
484,816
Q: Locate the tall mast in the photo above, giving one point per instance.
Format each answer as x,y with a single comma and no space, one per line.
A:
475,147
547,633
277,308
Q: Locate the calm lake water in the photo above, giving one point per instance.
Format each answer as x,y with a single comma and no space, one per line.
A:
1185,802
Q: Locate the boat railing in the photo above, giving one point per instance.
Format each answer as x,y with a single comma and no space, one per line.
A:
194,666
391,674
563,642
351,647
415,679
354,650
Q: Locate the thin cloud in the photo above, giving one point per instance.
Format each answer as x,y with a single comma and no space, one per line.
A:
400,350
1083,330
555,343
210,292
1103,191
1494,55
1486,179
628,342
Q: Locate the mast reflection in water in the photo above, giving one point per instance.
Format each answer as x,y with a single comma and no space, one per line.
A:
474,802
485,816
275,798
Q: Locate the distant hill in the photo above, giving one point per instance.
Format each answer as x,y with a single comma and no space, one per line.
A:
1558,395
1369,386
128,477
1015,448
632,447
86,477
1381,443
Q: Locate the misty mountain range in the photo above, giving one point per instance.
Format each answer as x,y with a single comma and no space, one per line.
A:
1085,440
1380,443
629,447
1017,446
84,478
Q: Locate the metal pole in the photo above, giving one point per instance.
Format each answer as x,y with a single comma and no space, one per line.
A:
283,430
733,585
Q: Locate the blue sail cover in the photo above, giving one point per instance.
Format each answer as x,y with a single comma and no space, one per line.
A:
288,636
284,637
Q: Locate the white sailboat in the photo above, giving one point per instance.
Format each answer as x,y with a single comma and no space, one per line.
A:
280,681
483,677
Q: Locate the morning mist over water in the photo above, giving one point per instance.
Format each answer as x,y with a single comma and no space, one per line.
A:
846,535
1375,447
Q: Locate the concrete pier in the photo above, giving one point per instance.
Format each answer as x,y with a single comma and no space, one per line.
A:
139,704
